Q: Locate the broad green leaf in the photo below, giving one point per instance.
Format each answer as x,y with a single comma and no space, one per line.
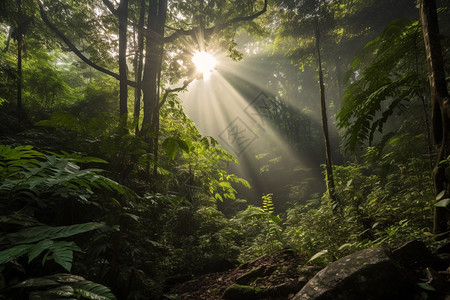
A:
62,253
443,203
38,249
317,255
36,283
63,292
65,278
38,233
93,291
14,252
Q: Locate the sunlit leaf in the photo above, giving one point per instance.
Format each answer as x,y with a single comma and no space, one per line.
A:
317,255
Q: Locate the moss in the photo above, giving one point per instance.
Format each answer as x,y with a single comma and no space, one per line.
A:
238,292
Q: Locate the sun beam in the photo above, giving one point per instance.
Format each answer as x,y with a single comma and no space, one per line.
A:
204,62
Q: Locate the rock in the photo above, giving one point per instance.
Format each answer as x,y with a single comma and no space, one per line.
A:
239,292
285,289
309,271
415,254
368,274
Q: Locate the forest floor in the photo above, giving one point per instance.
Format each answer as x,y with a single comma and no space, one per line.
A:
278,273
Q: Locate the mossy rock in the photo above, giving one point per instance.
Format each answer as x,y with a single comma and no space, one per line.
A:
239,292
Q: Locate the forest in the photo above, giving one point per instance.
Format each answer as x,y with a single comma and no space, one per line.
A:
223,149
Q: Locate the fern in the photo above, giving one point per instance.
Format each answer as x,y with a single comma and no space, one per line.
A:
63,286
267,203
31,181
28,174
35,240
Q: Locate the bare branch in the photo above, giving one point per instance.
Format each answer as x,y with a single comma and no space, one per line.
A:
74,48
178,89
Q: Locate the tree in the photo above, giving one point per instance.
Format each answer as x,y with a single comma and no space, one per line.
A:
19,19
440,108
209,20
310,14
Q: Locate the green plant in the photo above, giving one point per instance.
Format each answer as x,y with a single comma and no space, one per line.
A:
61,286
38,192
261,229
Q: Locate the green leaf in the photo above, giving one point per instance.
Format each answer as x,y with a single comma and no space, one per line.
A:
36,283
317,255
94,291
62,253
443,203
14,252
440,195
183,145
170,145
38,249
426,286
38,233
62,292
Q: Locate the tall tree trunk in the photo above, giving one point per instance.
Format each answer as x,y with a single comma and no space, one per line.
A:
440,106
139,66
156,19
19,60
328,162
123,19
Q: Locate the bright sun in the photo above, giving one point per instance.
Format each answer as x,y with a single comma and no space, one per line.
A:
204,63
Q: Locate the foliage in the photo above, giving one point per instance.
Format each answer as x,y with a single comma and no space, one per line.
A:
388,78
33,187
261,230
385,201
63,286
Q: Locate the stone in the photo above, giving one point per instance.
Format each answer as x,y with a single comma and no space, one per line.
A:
284,289
414,254
367,274
239,292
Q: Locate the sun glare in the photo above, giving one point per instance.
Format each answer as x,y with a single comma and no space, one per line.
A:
204,62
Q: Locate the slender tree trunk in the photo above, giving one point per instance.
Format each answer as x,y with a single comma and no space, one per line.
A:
139,66
328,162
19,60
123,19
440,106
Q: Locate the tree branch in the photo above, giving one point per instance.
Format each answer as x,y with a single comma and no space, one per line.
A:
216,28
74,48
178,89
110,6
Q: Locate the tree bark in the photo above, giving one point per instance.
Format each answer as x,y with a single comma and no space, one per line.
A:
123,77
328,162
154,51
440,106
138,68
19,60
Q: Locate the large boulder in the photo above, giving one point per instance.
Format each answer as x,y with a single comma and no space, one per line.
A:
368,274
